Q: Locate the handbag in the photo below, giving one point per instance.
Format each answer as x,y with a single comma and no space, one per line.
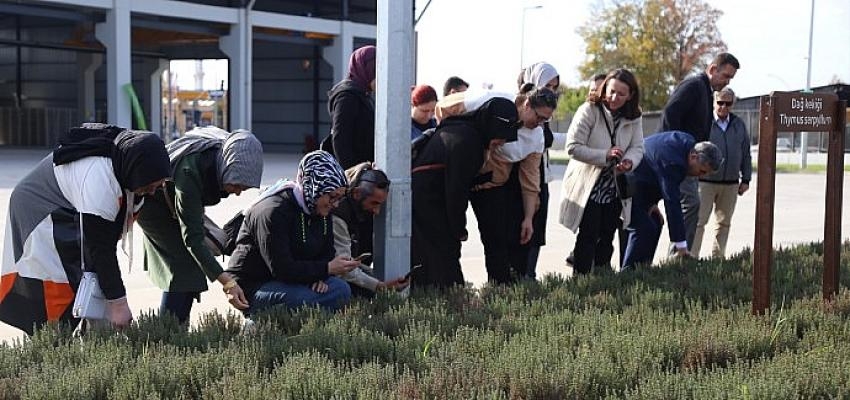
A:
215,238
89,301
622,183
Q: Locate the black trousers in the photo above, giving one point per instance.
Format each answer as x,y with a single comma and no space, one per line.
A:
490,207
596,235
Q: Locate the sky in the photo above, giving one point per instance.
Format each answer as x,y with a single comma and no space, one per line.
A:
481,41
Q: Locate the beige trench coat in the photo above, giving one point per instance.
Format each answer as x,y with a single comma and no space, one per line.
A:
588,142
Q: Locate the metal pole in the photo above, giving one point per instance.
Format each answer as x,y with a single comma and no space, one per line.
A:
804,136
522,39
392,150
522,35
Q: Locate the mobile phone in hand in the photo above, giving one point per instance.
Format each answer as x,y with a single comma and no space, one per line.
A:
362,257
414,268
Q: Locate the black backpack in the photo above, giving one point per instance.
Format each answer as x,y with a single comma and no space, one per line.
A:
416,145
231,230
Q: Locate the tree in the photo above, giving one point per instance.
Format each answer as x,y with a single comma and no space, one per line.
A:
569,101
660,41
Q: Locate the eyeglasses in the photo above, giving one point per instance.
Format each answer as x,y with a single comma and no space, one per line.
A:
540,118
724,103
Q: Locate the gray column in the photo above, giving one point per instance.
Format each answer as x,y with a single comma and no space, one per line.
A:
392,142
238,47
87,64
115,36
153,86
339,52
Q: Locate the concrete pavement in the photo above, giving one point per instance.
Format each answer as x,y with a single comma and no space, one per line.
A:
799,214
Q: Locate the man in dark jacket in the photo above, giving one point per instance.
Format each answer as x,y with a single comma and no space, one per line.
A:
442,176
689,110
668,158
721,189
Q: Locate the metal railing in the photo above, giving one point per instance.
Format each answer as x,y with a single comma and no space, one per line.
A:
36,127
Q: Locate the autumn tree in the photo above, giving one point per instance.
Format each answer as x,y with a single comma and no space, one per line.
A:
660,41
569,101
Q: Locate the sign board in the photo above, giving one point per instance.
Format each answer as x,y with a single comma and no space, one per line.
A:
794,112
809,112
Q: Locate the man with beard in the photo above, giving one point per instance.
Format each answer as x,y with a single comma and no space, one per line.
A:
367,191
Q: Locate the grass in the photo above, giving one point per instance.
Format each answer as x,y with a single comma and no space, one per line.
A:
681,330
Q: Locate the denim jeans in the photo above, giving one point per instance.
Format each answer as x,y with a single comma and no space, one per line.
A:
274,293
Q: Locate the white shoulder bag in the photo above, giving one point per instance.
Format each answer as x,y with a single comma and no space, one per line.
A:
89,302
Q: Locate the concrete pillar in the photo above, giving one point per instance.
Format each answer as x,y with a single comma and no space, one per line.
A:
339,52
153,87
238,46
115,36
392,143
87,64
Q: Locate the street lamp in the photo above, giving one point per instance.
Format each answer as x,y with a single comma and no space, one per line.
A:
522,34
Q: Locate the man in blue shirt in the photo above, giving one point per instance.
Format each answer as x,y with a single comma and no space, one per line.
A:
669,157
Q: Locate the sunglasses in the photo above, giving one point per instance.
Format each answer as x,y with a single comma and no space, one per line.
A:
724,103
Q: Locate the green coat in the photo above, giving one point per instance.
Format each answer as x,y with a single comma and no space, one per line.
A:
175,255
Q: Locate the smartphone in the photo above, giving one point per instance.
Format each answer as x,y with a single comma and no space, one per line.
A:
362,257
414,268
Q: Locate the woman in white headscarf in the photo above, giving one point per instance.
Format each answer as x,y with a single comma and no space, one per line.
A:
542,75
505,213
208,164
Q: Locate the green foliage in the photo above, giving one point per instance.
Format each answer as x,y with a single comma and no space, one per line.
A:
680,330
660,41
569,101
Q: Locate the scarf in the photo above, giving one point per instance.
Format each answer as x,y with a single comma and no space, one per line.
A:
539,74
318,173
361,67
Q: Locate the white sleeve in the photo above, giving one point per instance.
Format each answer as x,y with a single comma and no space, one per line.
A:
559,141
89,184
475,99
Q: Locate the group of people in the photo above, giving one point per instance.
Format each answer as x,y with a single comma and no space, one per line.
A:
308,240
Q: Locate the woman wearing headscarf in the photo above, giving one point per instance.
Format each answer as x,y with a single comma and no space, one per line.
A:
541,75
285,249
78,201
505,213
605,139
442,178
208,165
352,111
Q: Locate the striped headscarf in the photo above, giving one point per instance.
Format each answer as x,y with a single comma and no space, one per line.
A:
319,173
242,155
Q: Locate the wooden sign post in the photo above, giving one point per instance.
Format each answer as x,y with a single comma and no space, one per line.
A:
794,112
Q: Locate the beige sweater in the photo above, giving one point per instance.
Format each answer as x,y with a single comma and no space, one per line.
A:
588,142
